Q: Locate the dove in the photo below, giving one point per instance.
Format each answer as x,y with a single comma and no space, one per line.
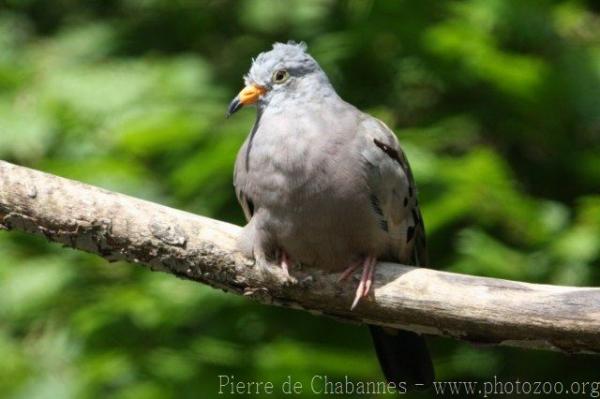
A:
325,185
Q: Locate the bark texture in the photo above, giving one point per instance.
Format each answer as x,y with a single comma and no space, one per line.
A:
476,309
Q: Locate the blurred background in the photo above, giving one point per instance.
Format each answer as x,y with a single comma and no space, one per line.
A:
496,102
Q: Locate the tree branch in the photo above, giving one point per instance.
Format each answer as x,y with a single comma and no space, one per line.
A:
476,309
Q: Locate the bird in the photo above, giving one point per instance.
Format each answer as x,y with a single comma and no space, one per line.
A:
326,185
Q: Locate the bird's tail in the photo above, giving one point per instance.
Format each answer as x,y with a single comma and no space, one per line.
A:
403,356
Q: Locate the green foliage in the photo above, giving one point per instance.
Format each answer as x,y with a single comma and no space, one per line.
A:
497,103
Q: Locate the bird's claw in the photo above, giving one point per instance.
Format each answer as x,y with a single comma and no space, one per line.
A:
285,263
348,272
366,280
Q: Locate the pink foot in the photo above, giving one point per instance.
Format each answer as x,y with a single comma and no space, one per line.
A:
366,280
285,263
349,271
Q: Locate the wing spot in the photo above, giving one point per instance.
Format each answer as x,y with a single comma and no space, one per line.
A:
388,150
377,208
384,225
415,216
410,233
375,204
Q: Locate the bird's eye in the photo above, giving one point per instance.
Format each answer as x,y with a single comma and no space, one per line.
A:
280,76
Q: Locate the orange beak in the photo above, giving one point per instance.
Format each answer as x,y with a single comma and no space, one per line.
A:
249,95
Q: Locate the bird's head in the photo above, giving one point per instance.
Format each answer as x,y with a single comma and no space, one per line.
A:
285,72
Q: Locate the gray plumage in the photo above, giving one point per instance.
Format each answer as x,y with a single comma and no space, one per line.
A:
319,178
326,185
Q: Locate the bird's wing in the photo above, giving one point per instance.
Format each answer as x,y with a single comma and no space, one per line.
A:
403,355
239,182
393,193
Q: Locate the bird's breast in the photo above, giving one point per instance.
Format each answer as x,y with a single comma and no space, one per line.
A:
309,186
296,164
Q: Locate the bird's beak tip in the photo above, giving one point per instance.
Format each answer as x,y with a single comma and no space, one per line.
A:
234,106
